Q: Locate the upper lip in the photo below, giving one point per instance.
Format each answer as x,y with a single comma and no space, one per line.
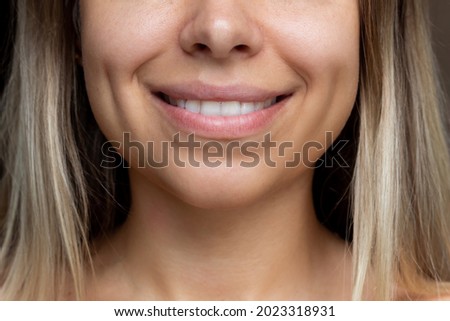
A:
206,92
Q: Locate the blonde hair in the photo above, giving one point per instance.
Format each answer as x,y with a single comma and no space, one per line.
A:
55,198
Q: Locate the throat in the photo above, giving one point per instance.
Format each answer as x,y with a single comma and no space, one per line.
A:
273,249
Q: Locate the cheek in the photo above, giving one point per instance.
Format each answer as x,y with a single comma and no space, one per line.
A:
116,40
327,47
123,36
326,56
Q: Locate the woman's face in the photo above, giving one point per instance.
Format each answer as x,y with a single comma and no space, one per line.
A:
229,71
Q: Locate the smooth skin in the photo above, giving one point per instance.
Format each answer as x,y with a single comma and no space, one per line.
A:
225,233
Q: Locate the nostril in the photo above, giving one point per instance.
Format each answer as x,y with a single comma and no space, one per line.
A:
241,48
201,47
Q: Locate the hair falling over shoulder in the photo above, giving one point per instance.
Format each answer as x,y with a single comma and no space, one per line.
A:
401,188
55,199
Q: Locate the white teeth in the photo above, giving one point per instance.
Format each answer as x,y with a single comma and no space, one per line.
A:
211,108
180,103
231,108
247,108
269,103
225,108
259,106
193,106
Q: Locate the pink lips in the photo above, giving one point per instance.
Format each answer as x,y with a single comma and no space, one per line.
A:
219,127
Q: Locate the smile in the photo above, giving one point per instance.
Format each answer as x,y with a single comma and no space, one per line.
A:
220,108
220,112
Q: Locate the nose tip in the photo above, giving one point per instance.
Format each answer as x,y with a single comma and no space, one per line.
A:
221,33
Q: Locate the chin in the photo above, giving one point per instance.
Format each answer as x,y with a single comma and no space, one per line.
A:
216,201
217,189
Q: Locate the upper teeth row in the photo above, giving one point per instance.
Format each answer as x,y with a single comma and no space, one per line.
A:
221,108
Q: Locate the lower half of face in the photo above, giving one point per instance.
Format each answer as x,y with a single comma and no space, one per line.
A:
221,102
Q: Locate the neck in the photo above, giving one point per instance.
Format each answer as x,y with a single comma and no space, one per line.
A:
268,250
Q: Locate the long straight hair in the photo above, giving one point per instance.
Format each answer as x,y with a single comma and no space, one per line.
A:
55,198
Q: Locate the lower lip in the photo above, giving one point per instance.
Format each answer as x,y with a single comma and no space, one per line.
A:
221,127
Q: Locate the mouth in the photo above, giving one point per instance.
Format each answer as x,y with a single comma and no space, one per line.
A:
221,108
221,112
